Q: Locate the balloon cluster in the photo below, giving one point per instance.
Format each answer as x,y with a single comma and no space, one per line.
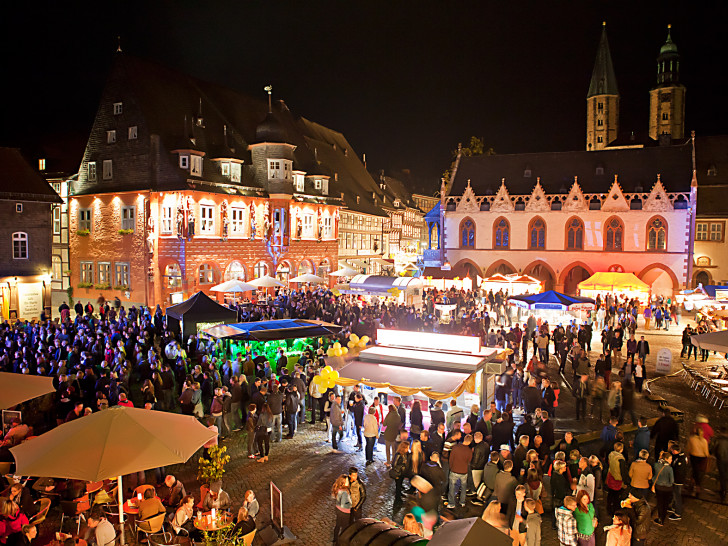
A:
336,350
356,341
327,378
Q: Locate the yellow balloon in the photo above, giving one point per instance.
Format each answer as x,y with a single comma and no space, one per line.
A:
361,343
365,339
354,338
318,381
330,351
325,374
329,369
345,350
351,345
331,384
337,345
338,352
334,375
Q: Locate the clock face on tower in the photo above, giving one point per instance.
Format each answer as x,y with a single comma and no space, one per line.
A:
664,97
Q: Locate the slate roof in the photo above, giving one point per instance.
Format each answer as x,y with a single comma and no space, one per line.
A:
711,154
603,80
635,167
19,181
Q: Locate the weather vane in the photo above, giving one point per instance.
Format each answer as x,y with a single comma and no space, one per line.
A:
269,89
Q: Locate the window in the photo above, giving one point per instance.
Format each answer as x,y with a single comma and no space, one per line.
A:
274,169
237,226
701,231
127,218
537,237
133,132
84,219
656,235
502,234
600,123
87,272
18,207
235,270
614,235
20,245
196,169
599,170
121,272
575,235
307,224
225,168
260,270
184,162
716,231
206,274
328,231
41,164
104,273
56,220
207,225
600,106
56,267
166,226
235,172
325,187
110,137
108,169
467,233
600,139
299,183
174,275
92,170
118,108
665,116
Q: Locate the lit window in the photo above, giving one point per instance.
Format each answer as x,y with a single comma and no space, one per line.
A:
575,235
235,270
196,168
656,235
104,273
108,169
57,267
701,231
328,231
274,169
538,234
84,219
225,168
235,172
166,219
260,269
317,184
92,170
237,227
207,225
133,132
18,207
41,164
20,245
87,272
502,234
614,235
299,182
110,137
325,187
467,234
174,275
127,217
56,220
206,274
716,231
307,225
118,108
184,162
121,271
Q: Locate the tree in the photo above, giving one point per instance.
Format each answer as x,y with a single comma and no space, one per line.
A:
476,146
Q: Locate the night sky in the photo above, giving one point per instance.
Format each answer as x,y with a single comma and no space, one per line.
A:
404,81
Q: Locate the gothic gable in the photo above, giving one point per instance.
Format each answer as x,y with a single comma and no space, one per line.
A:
538,201
575,201
615,201
502,201
657,201
468,202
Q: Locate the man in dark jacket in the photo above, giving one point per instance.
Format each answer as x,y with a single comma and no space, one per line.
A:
358,411
292,400
477,463
664,430
640,515
503,431
719,448
581,393
358,494
531,397
546,431
560,487
505,486
437,440
679,472
433,473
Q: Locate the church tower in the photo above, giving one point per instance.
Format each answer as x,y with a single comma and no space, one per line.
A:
667,98
602,100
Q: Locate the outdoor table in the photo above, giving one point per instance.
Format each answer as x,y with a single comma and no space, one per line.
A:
714,374
219,522
720,381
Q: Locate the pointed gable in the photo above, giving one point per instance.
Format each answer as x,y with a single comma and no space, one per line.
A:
657,201
615,200
468,202
502,201
575,201
538,201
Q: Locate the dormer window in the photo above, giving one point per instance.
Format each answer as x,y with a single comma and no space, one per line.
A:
196,165
118,108
225,168
133,132
317,183
396,202
110,137
236,170
527,172
600,170
299,180
184,162
274,168
325,187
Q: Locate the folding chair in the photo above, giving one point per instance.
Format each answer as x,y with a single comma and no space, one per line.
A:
75,510
45,504
153,525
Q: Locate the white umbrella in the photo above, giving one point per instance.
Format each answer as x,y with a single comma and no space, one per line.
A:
111,443
713,341
16,388
233,286
266,281
308,277
344,272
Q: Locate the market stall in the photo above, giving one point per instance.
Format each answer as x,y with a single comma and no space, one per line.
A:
405,290
617,284
197,313
445,279
552,306
513,284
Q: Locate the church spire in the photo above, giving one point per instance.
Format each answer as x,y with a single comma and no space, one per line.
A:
667,97
603,80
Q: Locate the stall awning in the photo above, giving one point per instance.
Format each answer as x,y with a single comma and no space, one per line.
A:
269,330
614,282
378,285
551,300
201,308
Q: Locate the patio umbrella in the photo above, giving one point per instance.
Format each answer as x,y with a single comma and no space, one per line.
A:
266,281
469,532
344,272
551,300
16,388
110,443
233,286
308,277
713,341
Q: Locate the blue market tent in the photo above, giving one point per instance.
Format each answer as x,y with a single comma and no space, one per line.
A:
551,300
269,330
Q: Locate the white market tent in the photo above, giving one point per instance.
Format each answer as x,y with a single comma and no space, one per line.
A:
407,290
612,282
515,284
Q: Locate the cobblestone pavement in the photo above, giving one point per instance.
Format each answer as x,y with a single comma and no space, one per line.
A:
304,469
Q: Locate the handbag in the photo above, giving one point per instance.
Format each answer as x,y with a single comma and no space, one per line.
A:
658,475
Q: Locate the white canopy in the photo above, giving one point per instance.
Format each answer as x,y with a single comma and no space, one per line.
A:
308,277
344,272
233,285
713,341
266,281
